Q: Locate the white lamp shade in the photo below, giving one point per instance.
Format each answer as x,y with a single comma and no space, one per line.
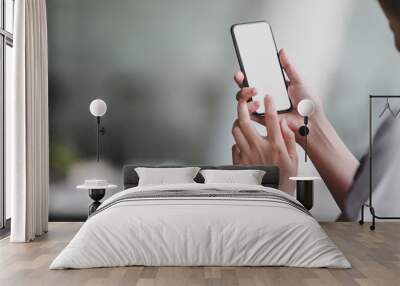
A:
98,107
305,107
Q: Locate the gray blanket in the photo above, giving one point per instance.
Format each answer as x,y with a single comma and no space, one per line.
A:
203,194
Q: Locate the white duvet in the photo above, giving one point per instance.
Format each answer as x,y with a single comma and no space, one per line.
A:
200,231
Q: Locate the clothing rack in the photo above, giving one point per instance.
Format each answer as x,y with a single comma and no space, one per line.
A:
369,204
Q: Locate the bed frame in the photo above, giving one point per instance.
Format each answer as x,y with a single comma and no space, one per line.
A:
270,179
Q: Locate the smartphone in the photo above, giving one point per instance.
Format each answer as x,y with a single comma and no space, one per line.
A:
259,61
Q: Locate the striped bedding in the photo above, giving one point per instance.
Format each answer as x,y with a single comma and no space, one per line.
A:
201,225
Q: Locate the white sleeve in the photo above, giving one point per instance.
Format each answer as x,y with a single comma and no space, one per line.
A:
385,166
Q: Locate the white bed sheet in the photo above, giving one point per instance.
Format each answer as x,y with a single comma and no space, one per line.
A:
193,231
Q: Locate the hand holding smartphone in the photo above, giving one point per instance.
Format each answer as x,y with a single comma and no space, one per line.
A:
258,59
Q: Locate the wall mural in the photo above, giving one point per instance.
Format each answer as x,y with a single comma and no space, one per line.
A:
165,71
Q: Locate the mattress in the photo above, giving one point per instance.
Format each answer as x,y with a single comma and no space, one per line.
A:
201,225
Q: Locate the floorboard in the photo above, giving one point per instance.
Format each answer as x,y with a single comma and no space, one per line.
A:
374,255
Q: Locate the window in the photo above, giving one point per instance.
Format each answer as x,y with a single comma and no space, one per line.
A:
6,56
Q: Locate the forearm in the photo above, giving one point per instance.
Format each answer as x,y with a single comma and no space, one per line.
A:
333,160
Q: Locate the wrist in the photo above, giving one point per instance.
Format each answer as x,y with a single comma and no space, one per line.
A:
333,160
322,137
319,127
286,185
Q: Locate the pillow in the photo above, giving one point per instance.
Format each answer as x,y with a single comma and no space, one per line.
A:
248,177
165,176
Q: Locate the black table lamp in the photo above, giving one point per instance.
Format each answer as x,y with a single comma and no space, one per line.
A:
98,108
305,108
305,185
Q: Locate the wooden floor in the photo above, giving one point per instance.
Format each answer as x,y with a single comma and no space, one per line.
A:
375,257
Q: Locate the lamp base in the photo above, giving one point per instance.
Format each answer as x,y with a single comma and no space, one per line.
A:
96,195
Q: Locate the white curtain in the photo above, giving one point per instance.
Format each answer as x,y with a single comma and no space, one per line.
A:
27,145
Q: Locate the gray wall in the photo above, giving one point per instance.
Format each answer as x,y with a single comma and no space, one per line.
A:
165,70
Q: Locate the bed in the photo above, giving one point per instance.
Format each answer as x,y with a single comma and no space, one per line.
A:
198,224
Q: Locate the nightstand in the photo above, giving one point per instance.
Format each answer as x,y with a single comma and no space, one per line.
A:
305,190
97,190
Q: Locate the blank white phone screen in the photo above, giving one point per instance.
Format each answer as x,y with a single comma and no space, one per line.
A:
259,57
